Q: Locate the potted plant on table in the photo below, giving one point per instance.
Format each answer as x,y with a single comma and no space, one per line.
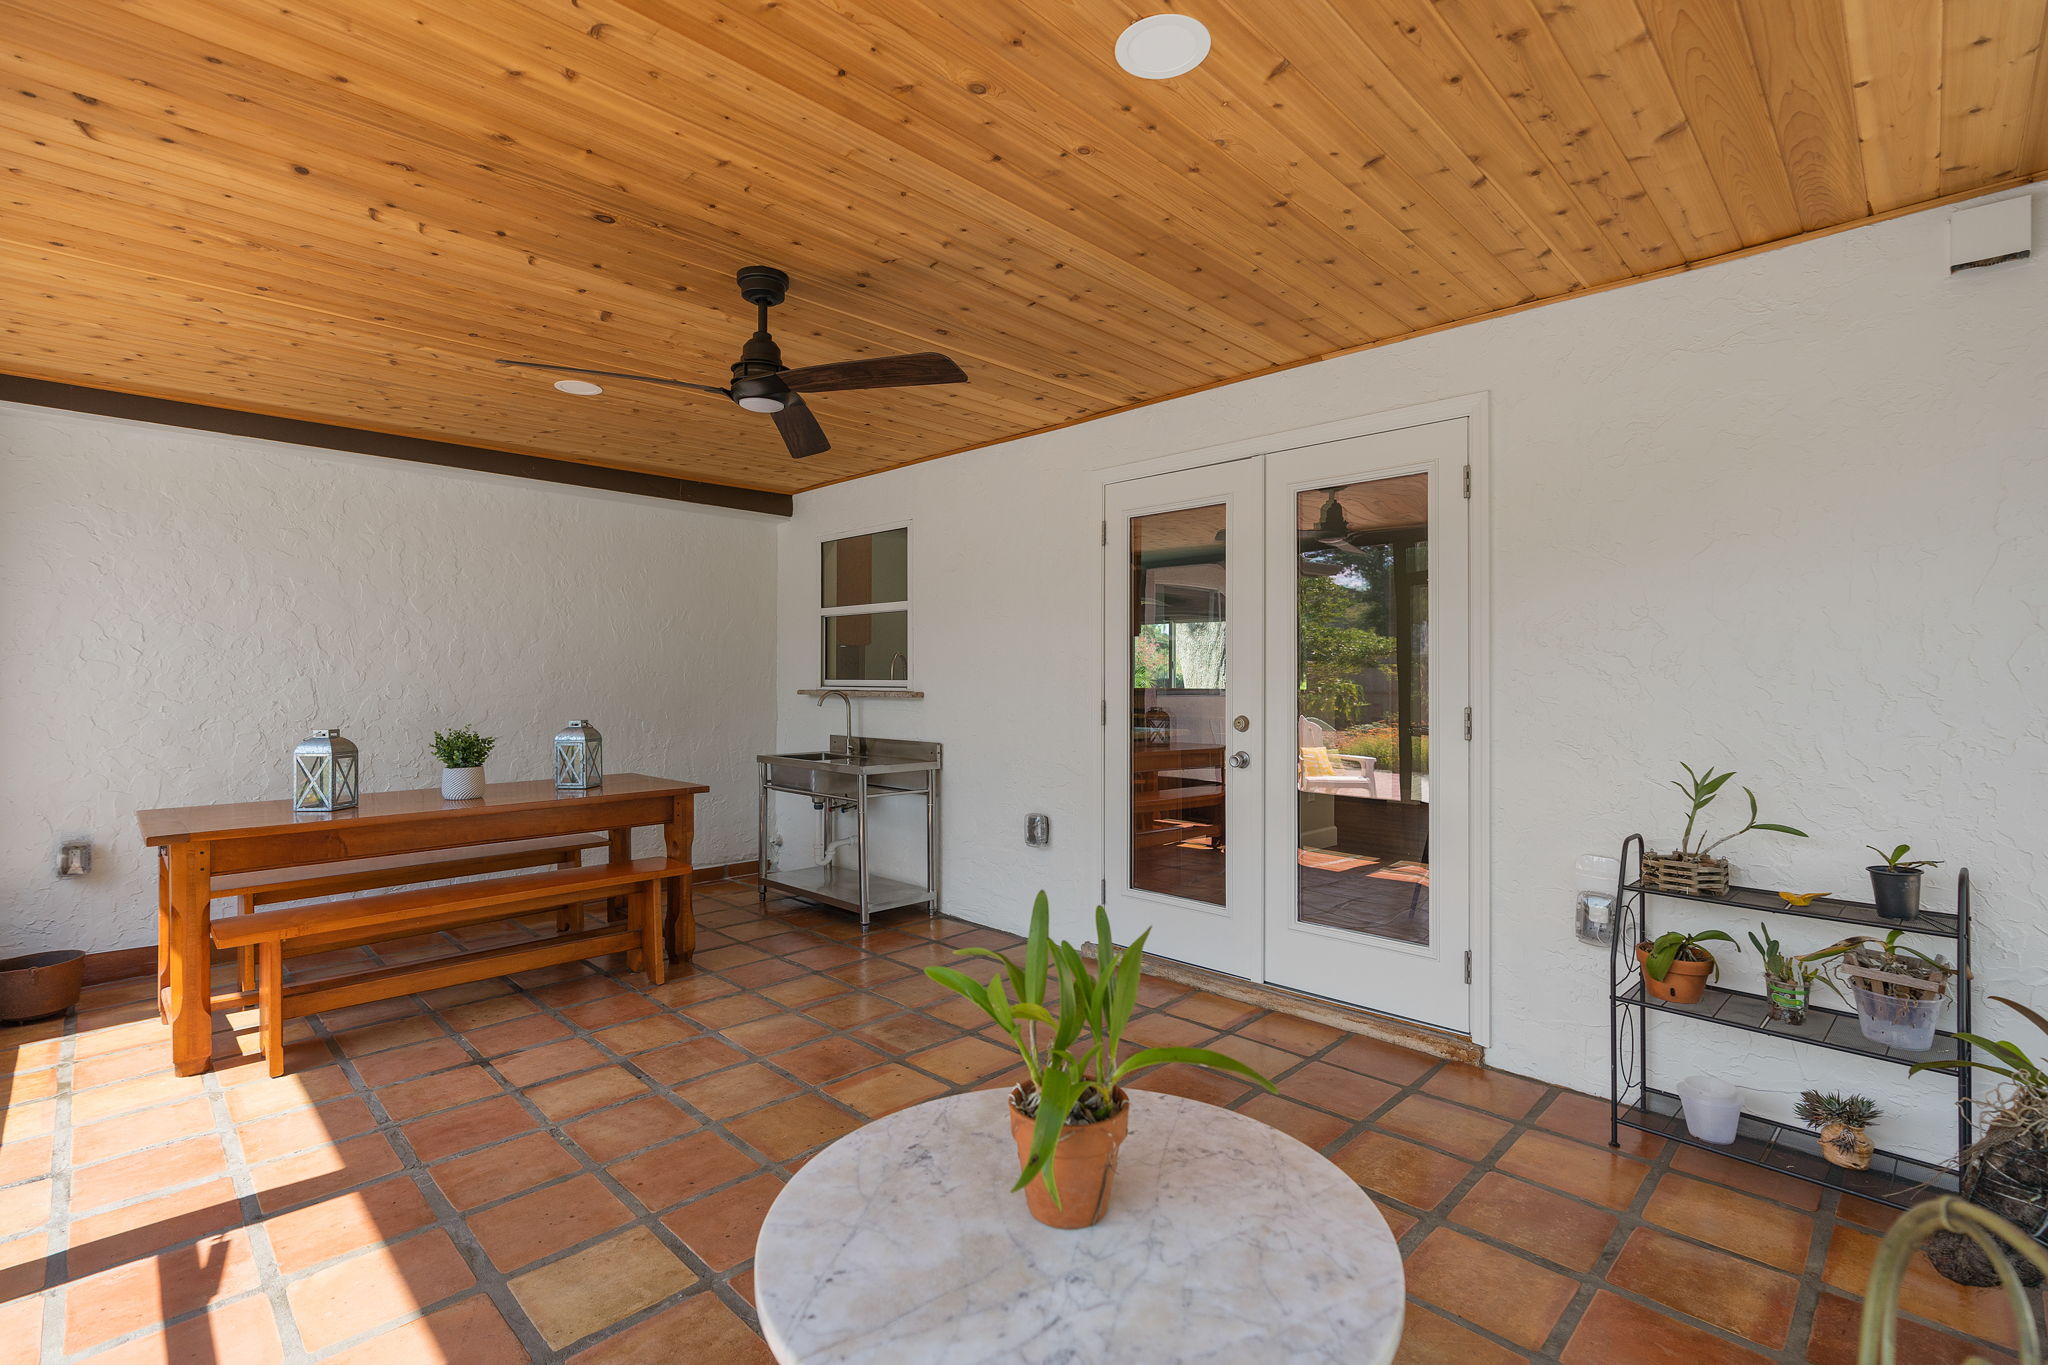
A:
462,753
1897,991
1692,869
1675,966
2005,1170
1841,1121
1070,1114
1895,882
1788,981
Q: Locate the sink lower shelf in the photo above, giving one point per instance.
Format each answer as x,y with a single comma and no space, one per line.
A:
840,886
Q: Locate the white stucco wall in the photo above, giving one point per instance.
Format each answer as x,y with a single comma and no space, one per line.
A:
178,609
1787,514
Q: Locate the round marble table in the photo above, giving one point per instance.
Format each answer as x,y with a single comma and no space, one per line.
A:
1226,1241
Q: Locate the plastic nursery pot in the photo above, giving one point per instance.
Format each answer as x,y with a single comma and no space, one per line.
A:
1788,999
1712,1107
1896,891
1684,984
40,984
1083,1164
1900,1021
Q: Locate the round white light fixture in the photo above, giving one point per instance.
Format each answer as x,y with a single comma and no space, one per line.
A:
762,404
582,388
1162,46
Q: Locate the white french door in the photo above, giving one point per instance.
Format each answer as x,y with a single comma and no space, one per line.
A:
1182,577
1288,775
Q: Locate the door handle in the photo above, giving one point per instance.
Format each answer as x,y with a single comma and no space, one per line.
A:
1240,759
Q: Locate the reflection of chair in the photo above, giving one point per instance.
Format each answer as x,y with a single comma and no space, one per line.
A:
1318,769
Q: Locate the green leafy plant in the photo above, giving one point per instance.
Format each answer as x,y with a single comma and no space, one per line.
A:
1778,967
463,748
2028,1077
1896,859
1886,955
1673,946
1853,1112
1071,1056
1700,791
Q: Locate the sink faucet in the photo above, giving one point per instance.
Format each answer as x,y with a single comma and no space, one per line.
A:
852,743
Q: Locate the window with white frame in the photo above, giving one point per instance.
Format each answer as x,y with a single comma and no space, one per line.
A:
864,606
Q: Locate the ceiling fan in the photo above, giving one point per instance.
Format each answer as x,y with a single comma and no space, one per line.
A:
761,383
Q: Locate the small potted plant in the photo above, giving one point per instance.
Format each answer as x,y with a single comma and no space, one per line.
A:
1897,991
1895,883
1070,1115
1692,869
2006,1169
1788,981
1675,966
1841,1121
462,753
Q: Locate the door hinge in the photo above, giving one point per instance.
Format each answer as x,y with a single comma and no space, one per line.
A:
1105,711
1468,966
1105,892
1468,722
1105,531
1468,484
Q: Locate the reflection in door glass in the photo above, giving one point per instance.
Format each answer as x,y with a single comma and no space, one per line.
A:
1362,720
1178,635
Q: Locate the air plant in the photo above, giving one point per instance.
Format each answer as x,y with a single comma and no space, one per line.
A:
1848,1115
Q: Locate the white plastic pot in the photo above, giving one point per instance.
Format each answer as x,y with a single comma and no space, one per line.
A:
1896,1021
1712,1108
462,784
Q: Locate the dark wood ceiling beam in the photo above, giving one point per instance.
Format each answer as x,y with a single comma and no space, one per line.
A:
43,393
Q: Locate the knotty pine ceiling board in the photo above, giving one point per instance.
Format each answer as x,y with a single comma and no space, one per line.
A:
344,212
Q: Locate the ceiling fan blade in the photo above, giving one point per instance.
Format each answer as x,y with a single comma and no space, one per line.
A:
800,429
882,372
614,374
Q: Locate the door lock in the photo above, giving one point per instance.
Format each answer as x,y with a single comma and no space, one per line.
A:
1241,724
1240,759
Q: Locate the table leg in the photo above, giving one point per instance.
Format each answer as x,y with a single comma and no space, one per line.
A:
681,834
621,851
190,968
163,934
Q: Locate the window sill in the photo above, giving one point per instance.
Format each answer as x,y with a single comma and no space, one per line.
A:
864,693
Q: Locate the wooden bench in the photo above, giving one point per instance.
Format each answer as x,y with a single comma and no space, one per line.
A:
254,890
425,909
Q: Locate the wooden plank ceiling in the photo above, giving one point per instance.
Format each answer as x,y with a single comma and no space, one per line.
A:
344,210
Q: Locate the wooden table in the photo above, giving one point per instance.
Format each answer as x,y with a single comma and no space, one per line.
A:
197,843
1226,1241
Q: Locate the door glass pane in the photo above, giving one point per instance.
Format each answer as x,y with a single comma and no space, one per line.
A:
862,569
1362,720
867,647
1178,631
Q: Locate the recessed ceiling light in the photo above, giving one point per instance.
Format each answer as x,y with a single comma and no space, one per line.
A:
582,388
1162,46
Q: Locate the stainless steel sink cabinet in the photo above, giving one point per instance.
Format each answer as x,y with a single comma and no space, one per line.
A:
842,779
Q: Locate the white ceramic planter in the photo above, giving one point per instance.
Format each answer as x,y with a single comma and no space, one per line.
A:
462,784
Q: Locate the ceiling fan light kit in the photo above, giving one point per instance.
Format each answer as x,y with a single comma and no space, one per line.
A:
762,383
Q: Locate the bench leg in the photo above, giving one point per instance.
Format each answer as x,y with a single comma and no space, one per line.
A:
647,919
163,936
246,957
682,919
270,977
569,918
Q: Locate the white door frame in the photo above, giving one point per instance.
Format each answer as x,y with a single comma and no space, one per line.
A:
1475,407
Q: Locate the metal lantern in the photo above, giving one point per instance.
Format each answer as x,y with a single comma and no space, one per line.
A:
324,772
579,757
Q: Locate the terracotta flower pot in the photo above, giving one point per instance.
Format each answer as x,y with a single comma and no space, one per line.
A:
1683,984
1083,1164
1857,1158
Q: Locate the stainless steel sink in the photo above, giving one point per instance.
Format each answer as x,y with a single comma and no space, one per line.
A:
843,780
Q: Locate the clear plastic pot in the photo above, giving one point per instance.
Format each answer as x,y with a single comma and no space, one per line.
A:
1712,1108
1896,1020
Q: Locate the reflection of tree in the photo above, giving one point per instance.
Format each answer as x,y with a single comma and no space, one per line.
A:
1334,619
1183,654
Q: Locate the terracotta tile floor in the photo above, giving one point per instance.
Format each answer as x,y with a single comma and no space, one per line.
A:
567,1166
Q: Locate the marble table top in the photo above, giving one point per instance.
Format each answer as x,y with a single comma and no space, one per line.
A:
1226,1240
